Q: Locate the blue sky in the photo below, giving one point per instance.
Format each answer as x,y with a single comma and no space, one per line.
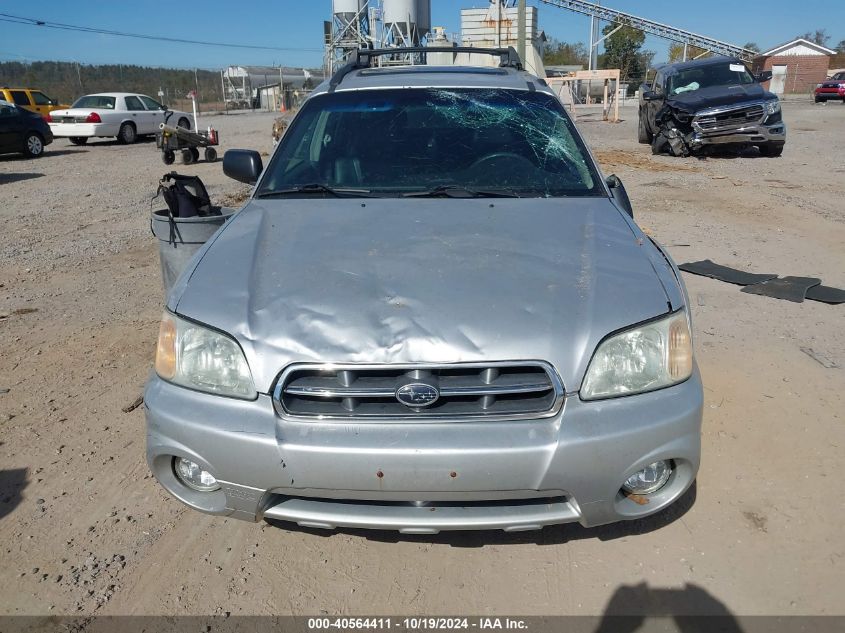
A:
298,25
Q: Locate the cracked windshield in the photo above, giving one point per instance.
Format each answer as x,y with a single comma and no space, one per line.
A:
432,142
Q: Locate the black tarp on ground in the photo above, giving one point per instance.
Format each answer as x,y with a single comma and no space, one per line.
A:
729,275
787,288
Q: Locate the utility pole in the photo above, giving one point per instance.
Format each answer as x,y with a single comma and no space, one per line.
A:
520,28
594,42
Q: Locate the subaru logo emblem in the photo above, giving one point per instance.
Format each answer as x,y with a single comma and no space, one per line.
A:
417,395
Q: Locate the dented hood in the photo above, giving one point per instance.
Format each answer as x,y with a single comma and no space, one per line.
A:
717,96
431,280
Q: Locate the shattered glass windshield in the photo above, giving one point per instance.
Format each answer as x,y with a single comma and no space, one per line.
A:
404,141
722,74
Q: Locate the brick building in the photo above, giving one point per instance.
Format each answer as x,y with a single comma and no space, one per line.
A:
796,66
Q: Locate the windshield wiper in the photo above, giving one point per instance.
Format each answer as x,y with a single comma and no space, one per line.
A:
337,192
456,191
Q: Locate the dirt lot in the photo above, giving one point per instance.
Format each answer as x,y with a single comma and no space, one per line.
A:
85,529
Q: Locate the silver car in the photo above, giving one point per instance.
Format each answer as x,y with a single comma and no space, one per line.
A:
434,313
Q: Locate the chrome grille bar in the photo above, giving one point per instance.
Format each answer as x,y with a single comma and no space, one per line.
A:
495,390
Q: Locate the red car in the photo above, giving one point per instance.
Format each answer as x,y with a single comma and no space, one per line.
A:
833,88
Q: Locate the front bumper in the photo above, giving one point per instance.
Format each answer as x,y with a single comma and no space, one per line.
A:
830,93
424,478
748,135
86,130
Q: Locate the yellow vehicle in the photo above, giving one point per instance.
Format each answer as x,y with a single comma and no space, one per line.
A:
31,99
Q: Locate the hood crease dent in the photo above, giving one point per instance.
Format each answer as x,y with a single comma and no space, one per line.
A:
407,281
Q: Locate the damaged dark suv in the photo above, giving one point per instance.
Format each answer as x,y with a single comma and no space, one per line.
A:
712,102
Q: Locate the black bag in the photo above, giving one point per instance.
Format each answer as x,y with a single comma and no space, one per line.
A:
186,196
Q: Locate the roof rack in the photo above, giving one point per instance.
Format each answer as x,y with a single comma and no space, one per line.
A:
363,57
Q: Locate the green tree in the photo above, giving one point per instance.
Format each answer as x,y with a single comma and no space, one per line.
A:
676,52
752,46
558,53
841,46
622,51
819,36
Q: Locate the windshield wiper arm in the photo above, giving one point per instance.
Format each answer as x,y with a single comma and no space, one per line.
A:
337,192
456,191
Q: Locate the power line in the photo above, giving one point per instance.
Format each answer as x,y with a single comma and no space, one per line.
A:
16,19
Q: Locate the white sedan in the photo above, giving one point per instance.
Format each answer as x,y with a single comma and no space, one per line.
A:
123,115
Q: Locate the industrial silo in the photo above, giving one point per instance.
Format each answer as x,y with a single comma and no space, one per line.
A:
346,10
423,17
400,22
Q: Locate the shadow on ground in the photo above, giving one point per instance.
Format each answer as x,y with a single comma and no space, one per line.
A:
5,179
551,535
12,484
640,608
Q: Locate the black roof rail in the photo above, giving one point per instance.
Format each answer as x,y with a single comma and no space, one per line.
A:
363,58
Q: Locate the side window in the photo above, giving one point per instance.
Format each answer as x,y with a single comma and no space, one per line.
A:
19,97
133,104
40,98
150,103
659,79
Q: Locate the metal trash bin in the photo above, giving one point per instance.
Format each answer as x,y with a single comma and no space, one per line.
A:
180,238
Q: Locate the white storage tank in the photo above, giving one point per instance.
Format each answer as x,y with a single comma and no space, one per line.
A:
401,15
347,9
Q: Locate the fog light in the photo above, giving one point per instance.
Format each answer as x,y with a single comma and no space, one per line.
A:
650,479
193,476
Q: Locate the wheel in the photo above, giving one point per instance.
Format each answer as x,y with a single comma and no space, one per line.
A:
818,99
78,140
127,134
195,153
185,123
168,157
643,135
210,154
771,150
33,145
187,156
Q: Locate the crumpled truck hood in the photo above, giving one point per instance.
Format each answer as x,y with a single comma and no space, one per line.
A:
716,96
430,280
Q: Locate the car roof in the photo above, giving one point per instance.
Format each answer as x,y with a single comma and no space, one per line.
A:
115,94
699,63
423,76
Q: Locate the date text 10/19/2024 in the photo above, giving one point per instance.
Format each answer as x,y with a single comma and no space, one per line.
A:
416,624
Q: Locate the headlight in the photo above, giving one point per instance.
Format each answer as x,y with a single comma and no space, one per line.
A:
644,358
773,106
197,357
842,85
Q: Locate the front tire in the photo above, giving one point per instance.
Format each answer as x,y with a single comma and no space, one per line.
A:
771,150
127,134
33,145
78,140
184,123
643,135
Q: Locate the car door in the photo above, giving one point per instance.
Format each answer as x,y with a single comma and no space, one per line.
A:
11,131
155,110
21,99
41,103
653,106
139,115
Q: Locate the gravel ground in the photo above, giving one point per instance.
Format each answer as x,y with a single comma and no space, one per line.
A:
86,530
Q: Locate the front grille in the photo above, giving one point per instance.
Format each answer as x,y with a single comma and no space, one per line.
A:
506,390
729,120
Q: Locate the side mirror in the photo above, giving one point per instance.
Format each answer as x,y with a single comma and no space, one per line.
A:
766,75
243,165
649,95
617,190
